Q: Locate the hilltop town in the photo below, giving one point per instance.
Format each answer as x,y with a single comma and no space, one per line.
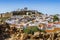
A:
27,24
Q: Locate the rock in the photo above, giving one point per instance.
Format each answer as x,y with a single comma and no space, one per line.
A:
37,34
23,36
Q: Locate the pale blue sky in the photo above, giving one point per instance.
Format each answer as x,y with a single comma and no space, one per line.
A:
44,6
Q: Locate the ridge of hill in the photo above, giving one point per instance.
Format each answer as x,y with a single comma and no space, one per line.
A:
19,12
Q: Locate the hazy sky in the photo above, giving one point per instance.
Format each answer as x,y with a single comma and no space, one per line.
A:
44,6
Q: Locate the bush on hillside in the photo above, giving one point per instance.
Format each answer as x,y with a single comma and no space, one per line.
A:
31,30
55,18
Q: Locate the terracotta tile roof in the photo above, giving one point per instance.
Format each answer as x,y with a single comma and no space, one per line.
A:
49,31
57,22
55,30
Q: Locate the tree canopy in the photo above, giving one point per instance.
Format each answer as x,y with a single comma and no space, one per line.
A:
31,30
55,18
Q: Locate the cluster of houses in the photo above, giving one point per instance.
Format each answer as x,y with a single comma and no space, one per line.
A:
43,22
32,18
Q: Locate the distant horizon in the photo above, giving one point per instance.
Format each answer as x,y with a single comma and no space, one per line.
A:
44,6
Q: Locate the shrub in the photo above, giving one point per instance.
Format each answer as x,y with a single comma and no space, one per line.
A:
55,18
31,30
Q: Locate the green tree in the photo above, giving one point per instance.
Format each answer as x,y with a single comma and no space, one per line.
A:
31,30
55,18
28,31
